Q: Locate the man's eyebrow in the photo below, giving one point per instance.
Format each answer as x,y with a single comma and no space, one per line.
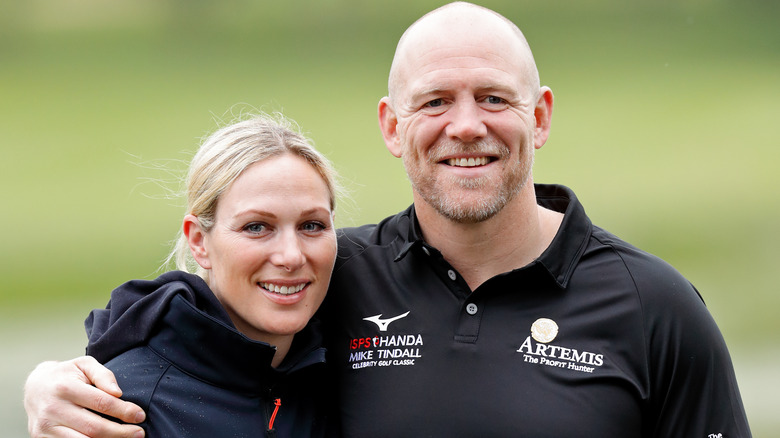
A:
427,92
499,88
487,87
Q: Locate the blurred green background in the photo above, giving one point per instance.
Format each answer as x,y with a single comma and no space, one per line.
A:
664,125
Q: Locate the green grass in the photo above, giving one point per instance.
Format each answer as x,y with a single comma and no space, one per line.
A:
664,125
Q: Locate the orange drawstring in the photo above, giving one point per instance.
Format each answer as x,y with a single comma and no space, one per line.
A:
277,403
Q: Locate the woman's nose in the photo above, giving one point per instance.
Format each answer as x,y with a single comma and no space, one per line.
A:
289,254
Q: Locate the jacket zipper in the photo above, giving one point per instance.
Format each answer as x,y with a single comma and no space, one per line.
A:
277,404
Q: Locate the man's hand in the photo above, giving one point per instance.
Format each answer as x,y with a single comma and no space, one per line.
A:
58,397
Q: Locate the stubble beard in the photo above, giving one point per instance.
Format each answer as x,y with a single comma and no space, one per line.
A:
442,192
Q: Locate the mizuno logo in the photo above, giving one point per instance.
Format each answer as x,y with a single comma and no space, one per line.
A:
383,323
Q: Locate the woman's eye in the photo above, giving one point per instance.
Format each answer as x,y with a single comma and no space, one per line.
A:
313,227
254,227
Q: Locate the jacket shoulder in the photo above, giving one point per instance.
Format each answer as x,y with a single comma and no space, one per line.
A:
138,372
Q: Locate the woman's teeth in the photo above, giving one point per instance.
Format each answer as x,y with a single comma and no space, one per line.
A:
282,290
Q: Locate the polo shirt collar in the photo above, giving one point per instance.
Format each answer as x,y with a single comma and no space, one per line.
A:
563,255
564,252
413,237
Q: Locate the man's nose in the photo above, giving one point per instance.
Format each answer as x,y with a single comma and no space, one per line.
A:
289,253
466,123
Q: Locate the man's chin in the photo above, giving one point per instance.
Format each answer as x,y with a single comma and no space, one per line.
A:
469,211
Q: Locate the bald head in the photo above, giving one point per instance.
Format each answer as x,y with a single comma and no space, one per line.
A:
461,24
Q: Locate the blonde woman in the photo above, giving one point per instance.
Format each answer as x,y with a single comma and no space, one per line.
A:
224,346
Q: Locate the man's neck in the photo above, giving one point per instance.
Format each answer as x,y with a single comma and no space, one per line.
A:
511,239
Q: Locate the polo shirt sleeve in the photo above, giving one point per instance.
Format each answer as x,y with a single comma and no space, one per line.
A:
692,384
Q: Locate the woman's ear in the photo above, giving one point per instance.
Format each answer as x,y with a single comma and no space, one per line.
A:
196,237
388,123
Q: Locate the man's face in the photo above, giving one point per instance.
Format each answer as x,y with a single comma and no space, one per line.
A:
465,124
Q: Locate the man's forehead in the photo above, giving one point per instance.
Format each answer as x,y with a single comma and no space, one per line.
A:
454,34
448,64
460,79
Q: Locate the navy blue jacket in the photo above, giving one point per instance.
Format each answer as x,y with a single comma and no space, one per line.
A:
176,353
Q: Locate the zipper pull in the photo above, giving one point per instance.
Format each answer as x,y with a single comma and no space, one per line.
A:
277,403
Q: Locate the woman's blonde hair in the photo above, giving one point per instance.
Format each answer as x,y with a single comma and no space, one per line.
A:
225,154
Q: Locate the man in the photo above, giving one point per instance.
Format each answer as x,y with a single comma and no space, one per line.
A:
491,307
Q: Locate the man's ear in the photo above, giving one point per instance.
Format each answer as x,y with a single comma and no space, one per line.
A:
543,116
196,237
388,123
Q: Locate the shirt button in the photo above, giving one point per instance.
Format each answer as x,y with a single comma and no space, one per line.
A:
452,275
471,309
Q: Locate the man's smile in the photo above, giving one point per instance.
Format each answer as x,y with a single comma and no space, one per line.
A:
468,162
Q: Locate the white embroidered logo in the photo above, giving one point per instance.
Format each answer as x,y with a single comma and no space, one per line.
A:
383,323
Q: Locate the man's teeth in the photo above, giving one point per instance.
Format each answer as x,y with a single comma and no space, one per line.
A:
468,162
283,290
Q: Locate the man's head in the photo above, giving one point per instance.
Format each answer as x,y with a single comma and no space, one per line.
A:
465,111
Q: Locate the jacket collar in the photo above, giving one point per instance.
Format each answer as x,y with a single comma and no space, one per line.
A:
180,318
213,350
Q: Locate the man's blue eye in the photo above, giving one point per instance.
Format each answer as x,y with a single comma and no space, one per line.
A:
435,102
494,99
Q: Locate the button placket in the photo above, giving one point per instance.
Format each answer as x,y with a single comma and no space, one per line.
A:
469,321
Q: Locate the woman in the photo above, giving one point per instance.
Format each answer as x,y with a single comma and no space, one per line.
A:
229,349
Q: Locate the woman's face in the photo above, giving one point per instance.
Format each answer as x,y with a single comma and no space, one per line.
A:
272,248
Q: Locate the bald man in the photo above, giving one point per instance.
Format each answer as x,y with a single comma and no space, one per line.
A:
492,306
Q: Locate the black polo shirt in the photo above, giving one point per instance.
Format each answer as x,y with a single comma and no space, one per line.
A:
594,339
